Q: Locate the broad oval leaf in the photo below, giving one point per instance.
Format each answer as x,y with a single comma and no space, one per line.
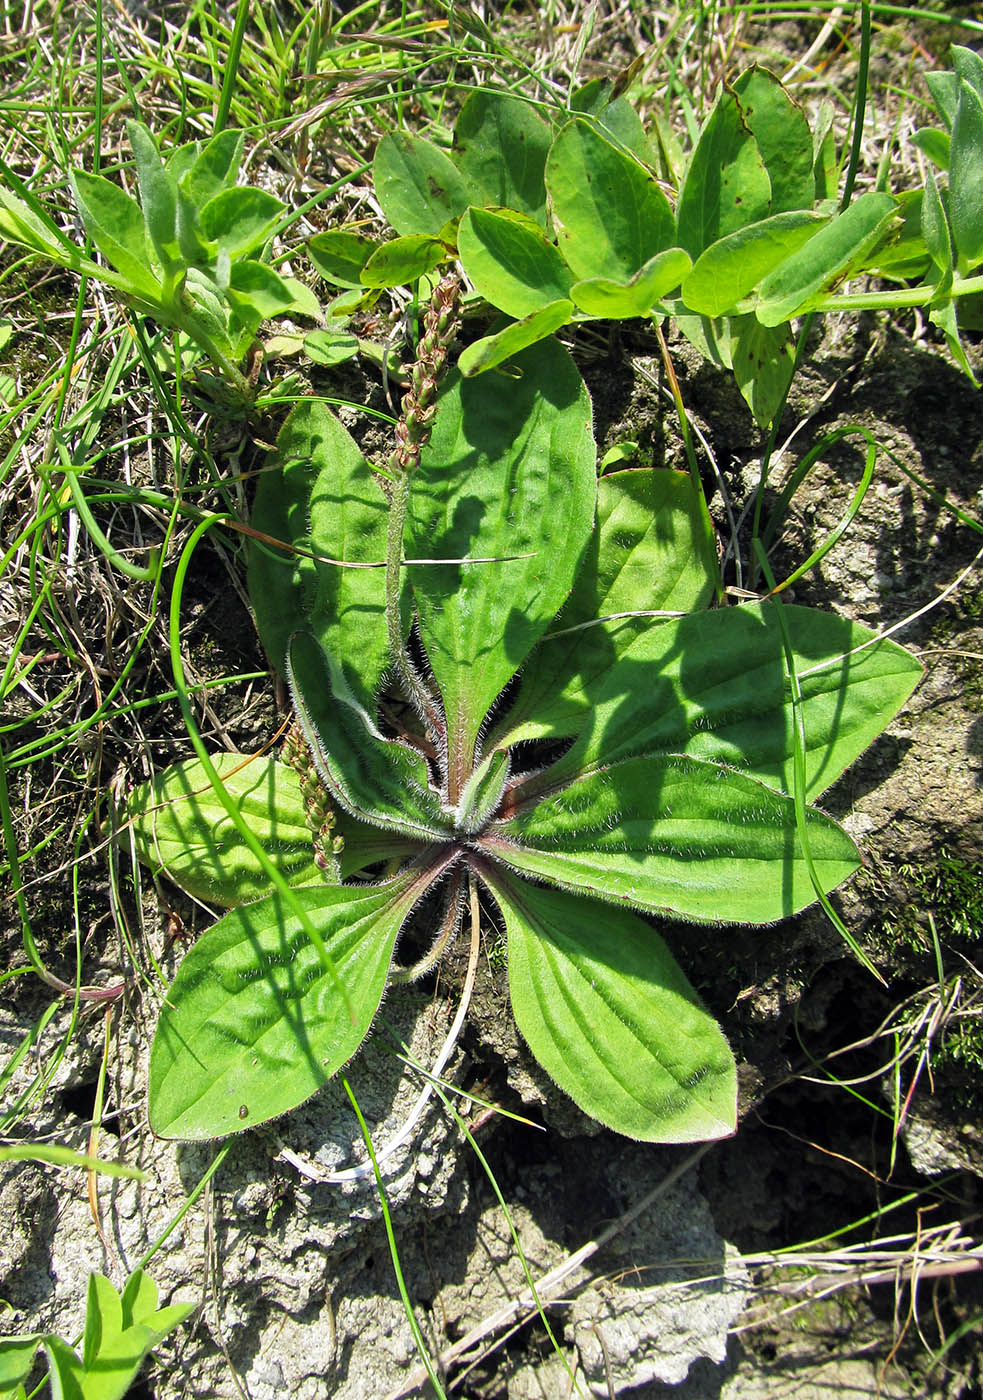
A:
253,1023
830,253
419,188
508,475
654,551
782,136
617,117
714,685
403,260
602,296
675,836
500,148
611,216
511,263
726,184
181,829
610,1016
240,219
340,256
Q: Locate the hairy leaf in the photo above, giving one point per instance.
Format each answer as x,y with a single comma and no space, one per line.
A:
508,472
611,1018
253,1024
675,836
116,226
181,829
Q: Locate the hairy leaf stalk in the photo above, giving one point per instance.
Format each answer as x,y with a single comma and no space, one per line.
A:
440,323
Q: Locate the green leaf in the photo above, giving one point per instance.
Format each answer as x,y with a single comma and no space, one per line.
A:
158,194
733,267
418,187
968,66
240,219
511,263
65,1370
331,347
138,1301
935,226
610,214
182,830
115,224
714,685
214,168
936,145
384,782
654,549
602,296
509,471
782,136
340,256
16,1360
726,184
103,1317
494,350
253,1024
403,260
500,149
257,292
609,1015
618,119
832,252
320,496
675,836
944,88
763,360
966,179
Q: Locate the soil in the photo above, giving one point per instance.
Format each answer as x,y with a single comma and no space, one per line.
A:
690,1297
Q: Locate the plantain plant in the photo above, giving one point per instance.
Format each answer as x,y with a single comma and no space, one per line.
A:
506,674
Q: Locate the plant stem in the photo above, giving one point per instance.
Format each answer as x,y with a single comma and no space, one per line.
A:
440,324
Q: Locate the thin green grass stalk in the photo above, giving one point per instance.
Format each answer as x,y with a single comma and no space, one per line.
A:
380,1187
256,849
799,775
232,66
798,476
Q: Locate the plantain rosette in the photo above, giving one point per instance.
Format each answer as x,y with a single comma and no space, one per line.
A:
595,745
